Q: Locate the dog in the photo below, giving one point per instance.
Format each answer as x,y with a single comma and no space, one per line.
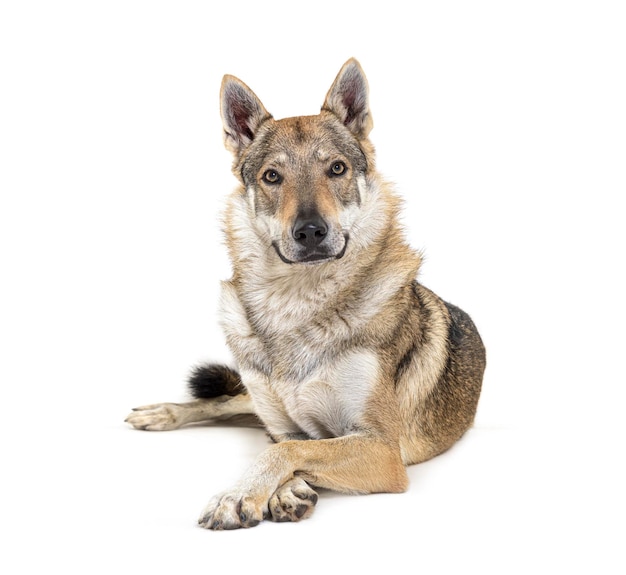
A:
354,368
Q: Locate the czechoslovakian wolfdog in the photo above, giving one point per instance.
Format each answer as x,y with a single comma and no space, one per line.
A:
354,368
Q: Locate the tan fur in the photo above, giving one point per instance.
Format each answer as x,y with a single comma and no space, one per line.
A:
354,368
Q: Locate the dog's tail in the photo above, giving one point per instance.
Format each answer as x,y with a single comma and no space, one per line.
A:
212,380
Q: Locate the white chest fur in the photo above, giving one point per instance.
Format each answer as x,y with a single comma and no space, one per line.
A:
331,401
328,400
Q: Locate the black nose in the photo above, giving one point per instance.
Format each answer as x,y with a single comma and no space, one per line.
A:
310,231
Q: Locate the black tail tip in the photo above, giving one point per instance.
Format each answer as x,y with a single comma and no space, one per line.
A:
211,380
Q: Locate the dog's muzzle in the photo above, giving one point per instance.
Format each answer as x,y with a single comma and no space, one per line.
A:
311,250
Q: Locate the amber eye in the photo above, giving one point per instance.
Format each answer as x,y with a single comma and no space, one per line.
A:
337,168
272,177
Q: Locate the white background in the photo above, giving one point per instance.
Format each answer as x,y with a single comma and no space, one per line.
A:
503,125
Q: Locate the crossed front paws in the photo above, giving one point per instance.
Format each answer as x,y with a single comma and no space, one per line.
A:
293,501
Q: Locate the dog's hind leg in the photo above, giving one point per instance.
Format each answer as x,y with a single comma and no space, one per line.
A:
168,416
219,395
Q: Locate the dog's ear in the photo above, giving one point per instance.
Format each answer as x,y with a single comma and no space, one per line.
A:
348,99
242,113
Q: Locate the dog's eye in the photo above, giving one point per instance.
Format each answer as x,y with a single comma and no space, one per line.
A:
337,168
272,177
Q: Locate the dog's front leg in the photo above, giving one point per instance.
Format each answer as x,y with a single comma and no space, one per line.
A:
350,464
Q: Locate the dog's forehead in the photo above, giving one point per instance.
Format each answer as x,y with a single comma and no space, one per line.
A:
305,131
280,157
298,142
314,137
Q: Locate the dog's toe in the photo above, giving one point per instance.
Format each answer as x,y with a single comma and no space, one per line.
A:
293,501
231,511
156,417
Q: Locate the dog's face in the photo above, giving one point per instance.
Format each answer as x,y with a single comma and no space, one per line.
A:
304,177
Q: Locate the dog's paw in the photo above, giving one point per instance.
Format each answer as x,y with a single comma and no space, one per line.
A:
292,501
232,510
157,417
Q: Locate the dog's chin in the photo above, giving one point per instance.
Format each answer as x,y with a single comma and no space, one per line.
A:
311,258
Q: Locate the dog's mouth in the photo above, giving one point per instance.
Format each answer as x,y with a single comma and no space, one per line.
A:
317,256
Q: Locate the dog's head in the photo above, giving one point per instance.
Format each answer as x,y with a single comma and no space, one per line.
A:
303,177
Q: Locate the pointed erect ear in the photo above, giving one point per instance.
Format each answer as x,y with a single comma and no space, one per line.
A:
348,99
242,114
